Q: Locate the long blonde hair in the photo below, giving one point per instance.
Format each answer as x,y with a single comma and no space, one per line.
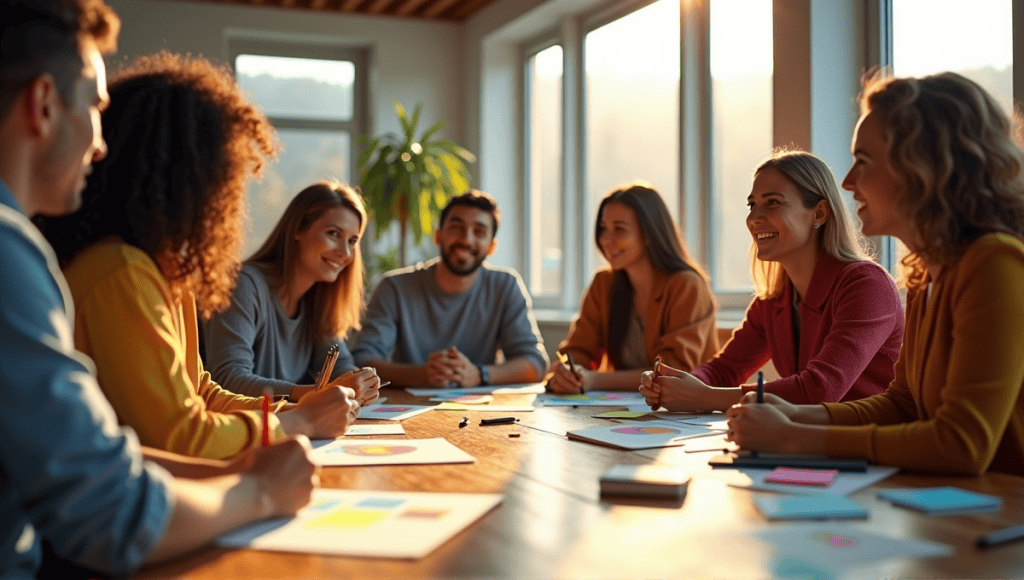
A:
957,165
837,237
336,306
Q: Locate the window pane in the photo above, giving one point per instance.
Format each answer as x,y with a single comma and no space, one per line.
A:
974,39
632,96
301,88
306,157
741,77
544,106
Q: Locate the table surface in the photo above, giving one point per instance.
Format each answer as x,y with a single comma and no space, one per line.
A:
552,522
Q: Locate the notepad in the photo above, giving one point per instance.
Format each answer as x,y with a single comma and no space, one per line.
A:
942,500
803,507
645,481
817,477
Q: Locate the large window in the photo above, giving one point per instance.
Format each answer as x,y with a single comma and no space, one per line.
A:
544,171
313,96
741,89
632,108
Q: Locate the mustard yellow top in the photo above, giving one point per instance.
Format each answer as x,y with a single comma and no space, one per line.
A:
955,403
146,349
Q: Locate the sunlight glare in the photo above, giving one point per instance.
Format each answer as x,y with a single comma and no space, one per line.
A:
748,25
547,64
335,72
610,49
940,35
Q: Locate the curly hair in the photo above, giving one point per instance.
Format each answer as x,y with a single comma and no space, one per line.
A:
182,142
45,36
338,304
838,236
956,161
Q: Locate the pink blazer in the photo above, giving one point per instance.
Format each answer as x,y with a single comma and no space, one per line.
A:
851,329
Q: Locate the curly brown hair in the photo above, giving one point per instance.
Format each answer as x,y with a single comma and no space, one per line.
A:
338,305
955,156
183,141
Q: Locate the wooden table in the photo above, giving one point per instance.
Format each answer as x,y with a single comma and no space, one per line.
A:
552,523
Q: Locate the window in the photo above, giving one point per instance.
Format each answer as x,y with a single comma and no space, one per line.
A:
632,109
741,118
544,173
314,98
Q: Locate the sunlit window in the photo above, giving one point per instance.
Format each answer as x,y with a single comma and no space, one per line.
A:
632,106
741,74
311,102
544,159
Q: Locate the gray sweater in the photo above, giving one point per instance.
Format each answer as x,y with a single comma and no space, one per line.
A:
410,317
254,344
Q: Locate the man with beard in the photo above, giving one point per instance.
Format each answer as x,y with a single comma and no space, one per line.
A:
442,322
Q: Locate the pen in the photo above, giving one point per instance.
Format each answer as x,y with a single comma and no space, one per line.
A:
1003,536
497,421
654,381
266,418
567,360
385,383
760,387
327,369
463,422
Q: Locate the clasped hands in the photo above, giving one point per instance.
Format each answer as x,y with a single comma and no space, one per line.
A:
451,366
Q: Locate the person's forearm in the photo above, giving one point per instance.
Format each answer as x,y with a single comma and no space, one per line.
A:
721,398
185,466
517,370
401,375
617,380
804,439
204,510
812,415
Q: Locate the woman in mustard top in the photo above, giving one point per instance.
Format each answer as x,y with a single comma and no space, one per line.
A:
156,243
936,166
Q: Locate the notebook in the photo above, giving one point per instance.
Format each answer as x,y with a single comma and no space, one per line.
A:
645,481
794,475
942,500
807,507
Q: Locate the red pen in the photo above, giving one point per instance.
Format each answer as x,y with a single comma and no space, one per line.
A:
266,418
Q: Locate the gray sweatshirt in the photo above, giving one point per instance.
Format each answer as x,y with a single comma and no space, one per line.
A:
254,344
410,317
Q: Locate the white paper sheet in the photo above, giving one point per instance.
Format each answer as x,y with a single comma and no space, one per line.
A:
389,452
392,412
516,389
375,429
846,482
643,435
594,399
364,523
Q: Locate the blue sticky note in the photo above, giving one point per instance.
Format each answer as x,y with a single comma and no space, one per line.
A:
942,500
805,507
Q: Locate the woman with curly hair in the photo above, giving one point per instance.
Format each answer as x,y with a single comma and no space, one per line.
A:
828,318
156,240
297,295
935,165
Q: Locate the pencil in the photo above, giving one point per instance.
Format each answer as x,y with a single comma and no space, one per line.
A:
266,417
327,369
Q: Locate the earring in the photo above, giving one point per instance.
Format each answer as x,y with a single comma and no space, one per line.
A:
816,225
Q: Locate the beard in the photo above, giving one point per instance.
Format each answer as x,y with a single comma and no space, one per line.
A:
459,269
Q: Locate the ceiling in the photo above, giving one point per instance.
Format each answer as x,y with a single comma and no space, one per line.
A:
450,10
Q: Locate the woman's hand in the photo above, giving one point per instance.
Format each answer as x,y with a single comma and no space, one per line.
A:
285,475
678,390
323,414
564,381
364,382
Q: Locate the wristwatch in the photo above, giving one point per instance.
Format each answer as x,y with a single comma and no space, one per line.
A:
485,375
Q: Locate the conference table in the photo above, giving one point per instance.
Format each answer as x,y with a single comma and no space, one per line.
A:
553,522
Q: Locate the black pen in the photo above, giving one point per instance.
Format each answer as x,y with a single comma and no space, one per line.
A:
463,422
760,387
498,421
1003,536
572,366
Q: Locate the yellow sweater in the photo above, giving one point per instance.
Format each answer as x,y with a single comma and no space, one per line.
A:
145,345
955,403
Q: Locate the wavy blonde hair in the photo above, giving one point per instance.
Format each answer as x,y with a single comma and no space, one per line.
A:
838,236
956,160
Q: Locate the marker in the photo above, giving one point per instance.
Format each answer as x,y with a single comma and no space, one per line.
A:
497,421
266,417
463,422
760,387
385,383
1003,536
327,369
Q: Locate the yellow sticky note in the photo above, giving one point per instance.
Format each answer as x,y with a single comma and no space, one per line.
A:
347,519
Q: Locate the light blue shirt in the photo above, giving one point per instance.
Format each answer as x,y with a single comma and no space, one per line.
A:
68,473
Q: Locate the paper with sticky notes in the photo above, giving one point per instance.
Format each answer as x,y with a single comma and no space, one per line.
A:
798,476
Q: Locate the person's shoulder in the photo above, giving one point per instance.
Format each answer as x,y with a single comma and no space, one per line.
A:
252,278
991,251
111,259
502,273
408,273
867,271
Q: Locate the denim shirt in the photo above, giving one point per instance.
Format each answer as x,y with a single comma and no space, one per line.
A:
68,473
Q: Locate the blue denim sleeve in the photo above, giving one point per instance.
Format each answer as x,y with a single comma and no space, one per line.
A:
68,473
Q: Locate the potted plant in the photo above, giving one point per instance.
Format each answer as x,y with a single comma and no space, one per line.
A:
410,179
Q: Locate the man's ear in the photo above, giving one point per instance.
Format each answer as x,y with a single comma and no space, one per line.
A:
492,247
42,105
437,237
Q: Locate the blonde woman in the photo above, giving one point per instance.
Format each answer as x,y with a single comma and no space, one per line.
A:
828,318
935,165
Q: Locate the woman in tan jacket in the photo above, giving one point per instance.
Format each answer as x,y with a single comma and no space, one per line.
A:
653,300
935,165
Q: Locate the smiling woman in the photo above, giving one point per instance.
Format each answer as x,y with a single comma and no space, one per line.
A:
827,317
299,294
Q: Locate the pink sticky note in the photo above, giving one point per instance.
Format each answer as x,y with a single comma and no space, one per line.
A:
822,477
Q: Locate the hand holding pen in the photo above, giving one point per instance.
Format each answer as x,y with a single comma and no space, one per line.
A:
327,368
565,376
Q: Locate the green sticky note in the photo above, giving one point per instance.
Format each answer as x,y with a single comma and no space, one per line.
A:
622,414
